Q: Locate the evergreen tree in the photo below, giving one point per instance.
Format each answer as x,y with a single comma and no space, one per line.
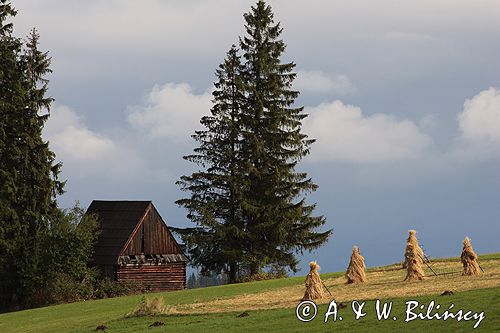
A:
10,90
28,173
216,243
10,98
249,201
279,222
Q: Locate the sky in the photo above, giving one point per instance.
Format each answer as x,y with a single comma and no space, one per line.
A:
403,98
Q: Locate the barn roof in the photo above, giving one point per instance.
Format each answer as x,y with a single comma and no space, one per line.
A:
118,220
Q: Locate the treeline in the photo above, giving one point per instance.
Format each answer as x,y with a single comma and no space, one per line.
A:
201,281
247,200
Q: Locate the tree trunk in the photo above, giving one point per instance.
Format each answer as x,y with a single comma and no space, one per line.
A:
233,272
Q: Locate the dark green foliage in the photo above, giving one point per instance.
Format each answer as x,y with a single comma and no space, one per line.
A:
249,201
216,244
61,272
43,251
279,220
28,171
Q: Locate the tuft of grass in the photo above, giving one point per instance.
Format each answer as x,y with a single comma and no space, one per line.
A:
151,307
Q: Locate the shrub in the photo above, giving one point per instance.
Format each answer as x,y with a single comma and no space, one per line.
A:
106,288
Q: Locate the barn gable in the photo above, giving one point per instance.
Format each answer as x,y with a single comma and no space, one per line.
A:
135,244
151,236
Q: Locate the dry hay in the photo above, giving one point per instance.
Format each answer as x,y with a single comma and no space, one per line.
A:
412,239
469,259
314,285
414,270
381,284
356,269
151,307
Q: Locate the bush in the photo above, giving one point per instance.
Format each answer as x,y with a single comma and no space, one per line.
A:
107,288
66,289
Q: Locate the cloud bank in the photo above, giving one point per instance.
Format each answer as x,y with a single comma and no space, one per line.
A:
344,134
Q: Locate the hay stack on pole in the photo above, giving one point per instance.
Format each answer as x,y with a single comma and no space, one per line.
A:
412,239
314,285
469,259
414,258
356,269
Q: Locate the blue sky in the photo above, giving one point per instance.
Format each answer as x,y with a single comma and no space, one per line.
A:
403,97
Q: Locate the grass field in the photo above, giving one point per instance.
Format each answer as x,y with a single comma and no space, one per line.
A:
271,305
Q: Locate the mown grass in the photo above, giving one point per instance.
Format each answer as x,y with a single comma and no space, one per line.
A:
67,317
85,316
284,320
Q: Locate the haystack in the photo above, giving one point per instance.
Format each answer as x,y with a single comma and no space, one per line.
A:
469,259
314,285
356,269
414,270
412,239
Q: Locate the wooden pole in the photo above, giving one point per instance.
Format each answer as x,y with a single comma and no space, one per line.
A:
425,262
326,288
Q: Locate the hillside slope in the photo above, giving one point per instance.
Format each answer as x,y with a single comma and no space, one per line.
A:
209,304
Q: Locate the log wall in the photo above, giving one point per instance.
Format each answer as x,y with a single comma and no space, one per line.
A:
171,276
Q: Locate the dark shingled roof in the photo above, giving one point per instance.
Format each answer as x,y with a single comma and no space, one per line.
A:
118,220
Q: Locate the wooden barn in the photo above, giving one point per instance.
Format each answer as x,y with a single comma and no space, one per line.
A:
136,245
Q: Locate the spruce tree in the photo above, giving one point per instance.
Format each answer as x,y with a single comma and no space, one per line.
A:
10,97
248,200
214,205
28,172
279,221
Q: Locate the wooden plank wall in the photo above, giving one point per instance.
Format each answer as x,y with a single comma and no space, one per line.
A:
157,239
170,276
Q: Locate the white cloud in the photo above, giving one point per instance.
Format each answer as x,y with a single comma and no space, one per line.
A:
480,119
479,125
318,82
171,111
87,154
343,133
70,138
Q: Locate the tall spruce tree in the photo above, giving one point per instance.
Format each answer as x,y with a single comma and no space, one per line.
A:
249,201
279,222
28,173
10,97
216,243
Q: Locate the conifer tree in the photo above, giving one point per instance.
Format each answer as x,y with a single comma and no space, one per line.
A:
10,90
10,98
215,244
279,221
248,201
28,173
